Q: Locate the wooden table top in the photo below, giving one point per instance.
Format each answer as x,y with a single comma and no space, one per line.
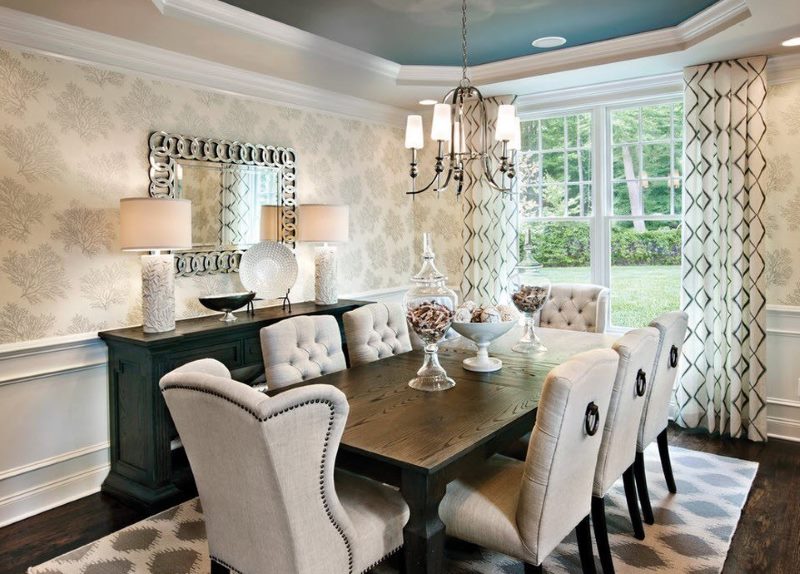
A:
392,422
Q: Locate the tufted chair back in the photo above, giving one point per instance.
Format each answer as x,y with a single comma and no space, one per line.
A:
637,353
301,348
576,307
376,331
672,332
264,470
556,488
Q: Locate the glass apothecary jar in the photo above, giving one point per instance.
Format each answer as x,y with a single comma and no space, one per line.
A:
530,290
430,308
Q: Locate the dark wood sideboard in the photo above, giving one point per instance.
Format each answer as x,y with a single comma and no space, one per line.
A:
145,468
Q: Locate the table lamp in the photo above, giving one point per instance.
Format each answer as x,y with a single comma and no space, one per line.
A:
324,224
271,222
155,225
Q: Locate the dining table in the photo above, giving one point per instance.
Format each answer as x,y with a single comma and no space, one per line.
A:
420,441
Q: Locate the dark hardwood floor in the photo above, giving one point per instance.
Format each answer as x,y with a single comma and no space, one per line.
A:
767,539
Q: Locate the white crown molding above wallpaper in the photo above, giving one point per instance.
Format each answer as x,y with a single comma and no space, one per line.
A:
27,31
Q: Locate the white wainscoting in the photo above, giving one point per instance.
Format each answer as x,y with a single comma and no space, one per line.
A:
54,411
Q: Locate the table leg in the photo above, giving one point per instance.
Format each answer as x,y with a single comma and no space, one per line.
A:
423,535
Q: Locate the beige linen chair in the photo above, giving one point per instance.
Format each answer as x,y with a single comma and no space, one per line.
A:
264,468
376,331
301,348
672,333
637,353
525,509
575,307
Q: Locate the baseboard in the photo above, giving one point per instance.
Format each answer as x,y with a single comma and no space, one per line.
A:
784,429
26,503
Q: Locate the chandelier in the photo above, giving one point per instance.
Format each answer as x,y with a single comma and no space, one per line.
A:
460,140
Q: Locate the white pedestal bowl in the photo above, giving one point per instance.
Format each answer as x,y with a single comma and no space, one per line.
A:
482,334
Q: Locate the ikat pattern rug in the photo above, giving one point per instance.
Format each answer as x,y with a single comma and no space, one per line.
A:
692,533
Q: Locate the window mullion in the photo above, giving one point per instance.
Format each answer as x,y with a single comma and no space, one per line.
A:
599,244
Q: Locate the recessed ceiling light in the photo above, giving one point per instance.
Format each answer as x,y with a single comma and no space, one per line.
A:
427,102
791,42
549,42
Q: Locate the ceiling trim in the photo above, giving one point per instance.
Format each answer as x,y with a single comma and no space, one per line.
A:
220,14
780,70
712,20
51,37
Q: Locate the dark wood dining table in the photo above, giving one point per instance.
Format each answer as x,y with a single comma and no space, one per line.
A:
420,441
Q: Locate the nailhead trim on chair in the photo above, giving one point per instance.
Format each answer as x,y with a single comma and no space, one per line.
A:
224,564
371,566
322,492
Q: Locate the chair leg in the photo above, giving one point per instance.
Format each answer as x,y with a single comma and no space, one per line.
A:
531,569
663,451
633,504
641,487
584,534
601,534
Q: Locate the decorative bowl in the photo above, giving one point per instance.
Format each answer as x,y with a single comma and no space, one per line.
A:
227,303
482,334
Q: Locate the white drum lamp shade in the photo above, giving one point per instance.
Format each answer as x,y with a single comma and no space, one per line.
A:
324,224
151,224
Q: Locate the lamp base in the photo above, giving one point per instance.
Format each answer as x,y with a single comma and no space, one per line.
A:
325,289
158,293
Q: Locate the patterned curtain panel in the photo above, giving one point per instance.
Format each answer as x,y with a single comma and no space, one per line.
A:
722,387
490,220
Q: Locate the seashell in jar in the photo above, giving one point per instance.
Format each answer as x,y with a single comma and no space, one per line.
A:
529,298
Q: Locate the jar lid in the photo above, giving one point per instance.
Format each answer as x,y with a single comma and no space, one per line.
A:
428,272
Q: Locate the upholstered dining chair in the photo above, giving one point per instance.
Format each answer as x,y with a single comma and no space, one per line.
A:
525,509
301,348
264,468
575,307
376,331
655,418
637,353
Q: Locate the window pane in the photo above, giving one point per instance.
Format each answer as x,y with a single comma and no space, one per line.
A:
645,271
625,126
585,130
656,122
529,132
678,119
552,133
553,165
657,197
562,248
657,159
576,203
626,162
622,197
572,131
554,201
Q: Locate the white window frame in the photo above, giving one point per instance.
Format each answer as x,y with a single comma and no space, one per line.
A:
602,200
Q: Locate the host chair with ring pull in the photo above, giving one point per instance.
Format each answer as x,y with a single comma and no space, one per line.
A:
525,509
376,331
637,352
672,332
264,468
301,348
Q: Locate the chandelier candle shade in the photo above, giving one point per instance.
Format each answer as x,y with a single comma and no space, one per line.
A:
448,126
155,225
324,224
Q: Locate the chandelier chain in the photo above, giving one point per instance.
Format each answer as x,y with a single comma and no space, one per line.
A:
464,40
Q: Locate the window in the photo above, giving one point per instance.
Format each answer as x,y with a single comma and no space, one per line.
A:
600,196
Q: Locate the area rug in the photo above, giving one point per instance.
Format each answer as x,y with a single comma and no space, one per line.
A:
692,534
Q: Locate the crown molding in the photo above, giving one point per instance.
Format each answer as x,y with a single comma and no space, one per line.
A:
712,20
30,32
220,14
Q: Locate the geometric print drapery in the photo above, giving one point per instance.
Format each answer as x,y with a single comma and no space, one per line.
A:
722,386
490,217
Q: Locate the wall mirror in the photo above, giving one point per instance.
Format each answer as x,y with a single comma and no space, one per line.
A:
241,194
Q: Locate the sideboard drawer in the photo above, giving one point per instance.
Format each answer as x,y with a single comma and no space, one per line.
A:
229,354
252,352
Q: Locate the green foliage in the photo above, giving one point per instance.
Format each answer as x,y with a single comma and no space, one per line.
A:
566,244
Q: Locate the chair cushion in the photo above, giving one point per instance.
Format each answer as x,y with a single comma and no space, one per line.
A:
378,514
575,307
375,332
481,507
301,348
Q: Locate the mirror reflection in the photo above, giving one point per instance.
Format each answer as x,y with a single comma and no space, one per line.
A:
232,205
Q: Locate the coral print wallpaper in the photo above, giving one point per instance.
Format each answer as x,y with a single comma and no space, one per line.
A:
73,141
783,192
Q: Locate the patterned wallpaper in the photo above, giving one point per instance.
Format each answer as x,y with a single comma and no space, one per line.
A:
783,195
73,141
